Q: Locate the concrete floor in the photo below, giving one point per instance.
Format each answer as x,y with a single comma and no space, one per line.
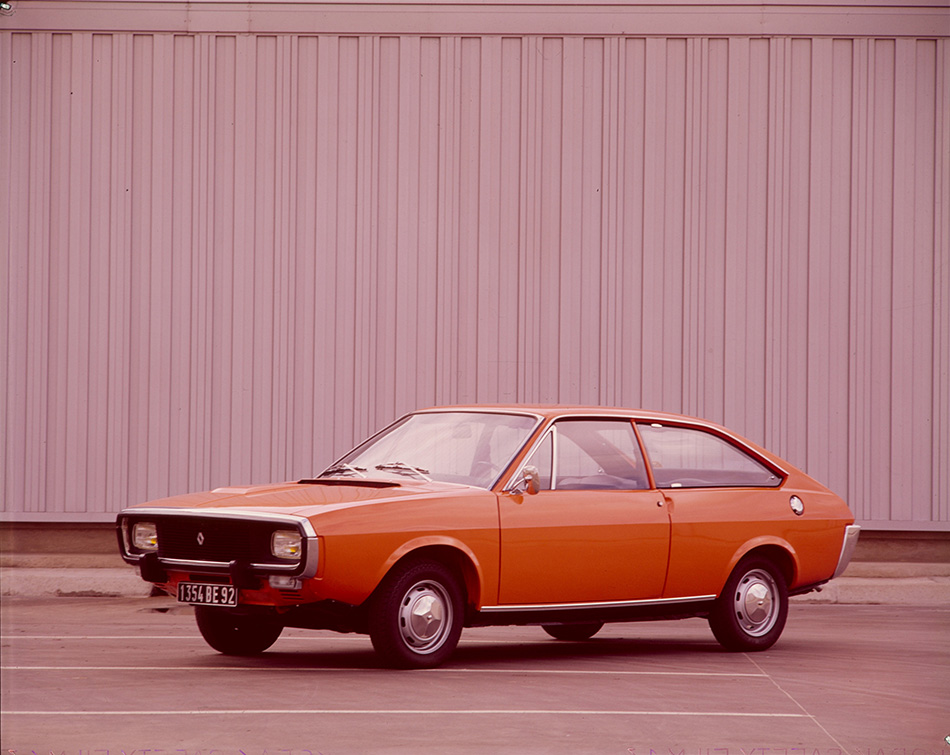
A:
84,676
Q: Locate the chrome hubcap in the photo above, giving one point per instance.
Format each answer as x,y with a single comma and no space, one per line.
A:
425,617
755,603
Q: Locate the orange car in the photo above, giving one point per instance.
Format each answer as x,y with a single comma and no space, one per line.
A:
566,517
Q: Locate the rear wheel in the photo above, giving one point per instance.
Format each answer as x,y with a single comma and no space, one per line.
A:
236,634
573,632
750,613
415,615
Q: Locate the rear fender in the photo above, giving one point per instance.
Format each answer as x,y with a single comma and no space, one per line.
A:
778,550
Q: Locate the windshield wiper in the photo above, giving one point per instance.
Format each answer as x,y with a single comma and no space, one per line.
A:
343,468
401,466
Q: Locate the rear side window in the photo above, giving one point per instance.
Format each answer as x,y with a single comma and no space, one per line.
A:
685,457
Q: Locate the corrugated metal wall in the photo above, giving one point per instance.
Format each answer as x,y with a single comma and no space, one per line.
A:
228,257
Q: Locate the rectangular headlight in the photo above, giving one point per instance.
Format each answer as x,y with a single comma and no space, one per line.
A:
286,544
145,536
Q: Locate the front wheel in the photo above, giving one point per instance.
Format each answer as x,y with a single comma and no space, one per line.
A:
750,613
573,632
236,634
415,615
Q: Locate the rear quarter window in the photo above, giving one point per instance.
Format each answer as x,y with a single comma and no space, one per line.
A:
686,457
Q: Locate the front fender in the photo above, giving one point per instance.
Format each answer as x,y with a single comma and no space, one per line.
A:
441,547
353,566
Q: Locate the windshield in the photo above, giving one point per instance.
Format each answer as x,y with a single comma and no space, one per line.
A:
469,448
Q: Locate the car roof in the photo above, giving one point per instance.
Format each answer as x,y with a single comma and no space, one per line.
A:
553,411
549,412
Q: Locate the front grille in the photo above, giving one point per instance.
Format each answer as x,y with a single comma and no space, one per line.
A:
215,539
236,543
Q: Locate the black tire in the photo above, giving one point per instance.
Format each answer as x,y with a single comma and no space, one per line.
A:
235,634
573,632
415,615
750,613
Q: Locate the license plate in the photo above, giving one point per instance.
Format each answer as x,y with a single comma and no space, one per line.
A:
202,594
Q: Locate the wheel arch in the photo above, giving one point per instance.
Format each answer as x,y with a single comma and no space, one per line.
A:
779,552
448,552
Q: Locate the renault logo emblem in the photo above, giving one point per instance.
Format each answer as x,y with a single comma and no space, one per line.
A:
201,538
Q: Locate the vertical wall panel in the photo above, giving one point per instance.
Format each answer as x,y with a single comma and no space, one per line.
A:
633,193
882,263
940,470
15,309
226,258
512,286
547,211
912,282
746,227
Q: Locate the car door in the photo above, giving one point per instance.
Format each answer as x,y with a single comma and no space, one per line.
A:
595,532
718,497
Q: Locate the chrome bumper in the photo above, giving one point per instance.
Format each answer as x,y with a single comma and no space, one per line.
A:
851,533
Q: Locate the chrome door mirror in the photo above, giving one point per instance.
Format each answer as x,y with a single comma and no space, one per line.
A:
529,482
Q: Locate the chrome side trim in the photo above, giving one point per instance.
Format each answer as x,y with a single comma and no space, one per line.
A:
597,604
851,533
303,570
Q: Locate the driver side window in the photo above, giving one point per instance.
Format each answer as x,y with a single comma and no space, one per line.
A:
590,455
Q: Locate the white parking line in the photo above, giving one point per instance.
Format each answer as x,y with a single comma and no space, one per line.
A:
399,711
8,637
582,672
196,637
541,640
795,701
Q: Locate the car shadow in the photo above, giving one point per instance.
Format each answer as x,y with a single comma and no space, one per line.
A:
604,648
357,653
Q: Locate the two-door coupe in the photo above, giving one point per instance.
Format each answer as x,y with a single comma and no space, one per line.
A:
565,517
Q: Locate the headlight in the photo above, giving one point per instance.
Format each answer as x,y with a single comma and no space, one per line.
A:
286,544
145,536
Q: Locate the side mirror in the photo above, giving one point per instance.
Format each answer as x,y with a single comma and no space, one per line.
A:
530,482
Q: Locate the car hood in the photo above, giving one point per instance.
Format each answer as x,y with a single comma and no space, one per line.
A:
311,497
